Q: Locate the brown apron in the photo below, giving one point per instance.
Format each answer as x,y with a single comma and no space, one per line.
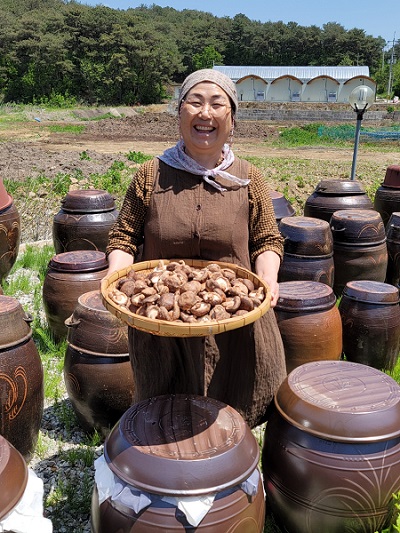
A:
188,218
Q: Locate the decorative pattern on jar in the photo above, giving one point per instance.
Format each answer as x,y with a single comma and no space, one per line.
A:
387,196
10,232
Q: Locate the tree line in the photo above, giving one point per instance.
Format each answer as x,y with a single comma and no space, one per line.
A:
59,50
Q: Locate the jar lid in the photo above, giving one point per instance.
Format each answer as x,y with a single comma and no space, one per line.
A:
306,236
88,201
392,177
358,227
13,477
341,401
368,291
305,295
14,322
339,187
282,206
79,261
181,445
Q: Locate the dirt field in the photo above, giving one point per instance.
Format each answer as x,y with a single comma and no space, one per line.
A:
29,149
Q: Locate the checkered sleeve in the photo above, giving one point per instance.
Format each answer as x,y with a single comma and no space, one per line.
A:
127,231
263,229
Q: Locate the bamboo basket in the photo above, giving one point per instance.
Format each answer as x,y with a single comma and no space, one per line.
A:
181,329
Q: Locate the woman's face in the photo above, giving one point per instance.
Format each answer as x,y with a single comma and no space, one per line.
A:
205,119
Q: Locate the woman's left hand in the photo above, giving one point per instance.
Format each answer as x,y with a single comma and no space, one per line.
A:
267,266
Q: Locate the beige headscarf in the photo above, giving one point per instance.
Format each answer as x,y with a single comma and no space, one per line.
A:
208,74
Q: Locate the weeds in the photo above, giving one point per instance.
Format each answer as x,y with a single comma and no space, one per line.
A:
138,157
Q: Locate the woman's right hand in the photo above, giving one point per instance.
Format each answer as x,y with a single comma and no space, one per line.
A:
117,260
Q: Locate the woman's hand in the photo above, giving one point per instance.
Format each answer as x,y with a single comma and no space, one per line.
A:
117,260
267,266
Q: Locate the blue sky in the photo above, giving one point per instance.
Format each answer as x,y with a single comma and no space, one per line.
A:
379,20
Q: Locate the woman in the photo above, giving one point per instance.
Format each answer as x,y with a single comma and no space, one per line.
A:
197,200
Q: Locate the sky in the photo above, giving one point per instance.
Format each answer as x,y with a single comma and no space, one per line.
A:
376,19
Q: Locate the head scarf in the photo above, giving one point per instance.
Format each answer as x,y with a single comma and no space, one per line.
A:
213,76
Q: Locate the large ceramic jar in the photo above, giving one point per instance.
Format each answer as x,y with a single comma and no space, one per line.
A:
370,314
84,221
184,463
69,275
97,370
308,250
359,247
21,378
387,197
10,232
332,195
331,453
309,322
393,248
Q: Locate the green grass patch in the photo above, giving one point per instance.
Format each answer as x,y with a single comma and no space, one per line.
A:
138,157
75,129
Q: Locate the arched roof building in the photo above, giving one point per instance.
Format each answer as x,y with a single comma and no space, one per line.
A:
297,84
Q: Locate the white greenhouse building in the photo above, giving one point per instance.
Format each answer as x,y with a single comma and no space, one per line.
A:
297,84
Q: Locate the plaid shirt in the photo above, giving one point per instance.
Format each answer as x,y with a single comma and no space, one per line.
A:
127,232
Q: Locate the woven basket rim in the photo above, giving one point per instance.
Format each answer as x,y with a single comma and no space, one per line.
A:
180,329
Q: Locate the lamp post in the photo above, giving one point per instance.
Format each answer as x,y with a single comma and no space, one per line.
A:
360,99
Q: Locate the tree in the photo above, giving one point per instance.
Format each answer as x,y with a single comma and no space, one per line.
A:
208,58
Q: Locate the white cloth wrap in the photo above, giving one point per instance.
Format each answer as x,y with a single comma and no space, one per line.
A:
194,508
27,515
176,157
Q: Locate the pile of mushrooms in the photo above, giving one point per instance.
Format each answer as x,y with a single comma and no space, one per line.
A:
178,292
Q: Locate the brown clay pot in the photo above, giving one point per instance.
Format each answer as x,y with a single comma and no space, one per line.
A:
371,323
10,235
331,453
359,247
21,379
84,221
309,322
393,248
308,250
282,206
179,446
332,195
97,370
387,201
392,177
69,275
13,477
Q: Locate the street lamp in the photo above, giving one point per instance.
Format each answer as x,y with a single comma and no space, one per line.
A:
360,99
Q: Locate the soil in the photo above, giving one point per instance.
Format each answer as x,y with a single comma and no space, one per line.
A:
30,149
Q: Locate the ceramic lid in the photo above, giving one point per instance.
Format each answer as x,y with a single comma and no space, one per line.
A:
88,201
341,401
357,227
341,187
13,477
306,236
14,322
79,261
371,292
181,445
304,295
282,206
392,177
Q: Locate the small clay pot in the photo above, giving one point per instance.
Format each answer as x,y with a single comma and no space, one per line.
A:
97,369
371,323
393,248
392,177
84,221
69,275
332,195
309,322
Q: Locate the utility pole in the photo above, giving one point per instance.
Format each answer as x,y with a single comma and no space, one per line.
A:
390,81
